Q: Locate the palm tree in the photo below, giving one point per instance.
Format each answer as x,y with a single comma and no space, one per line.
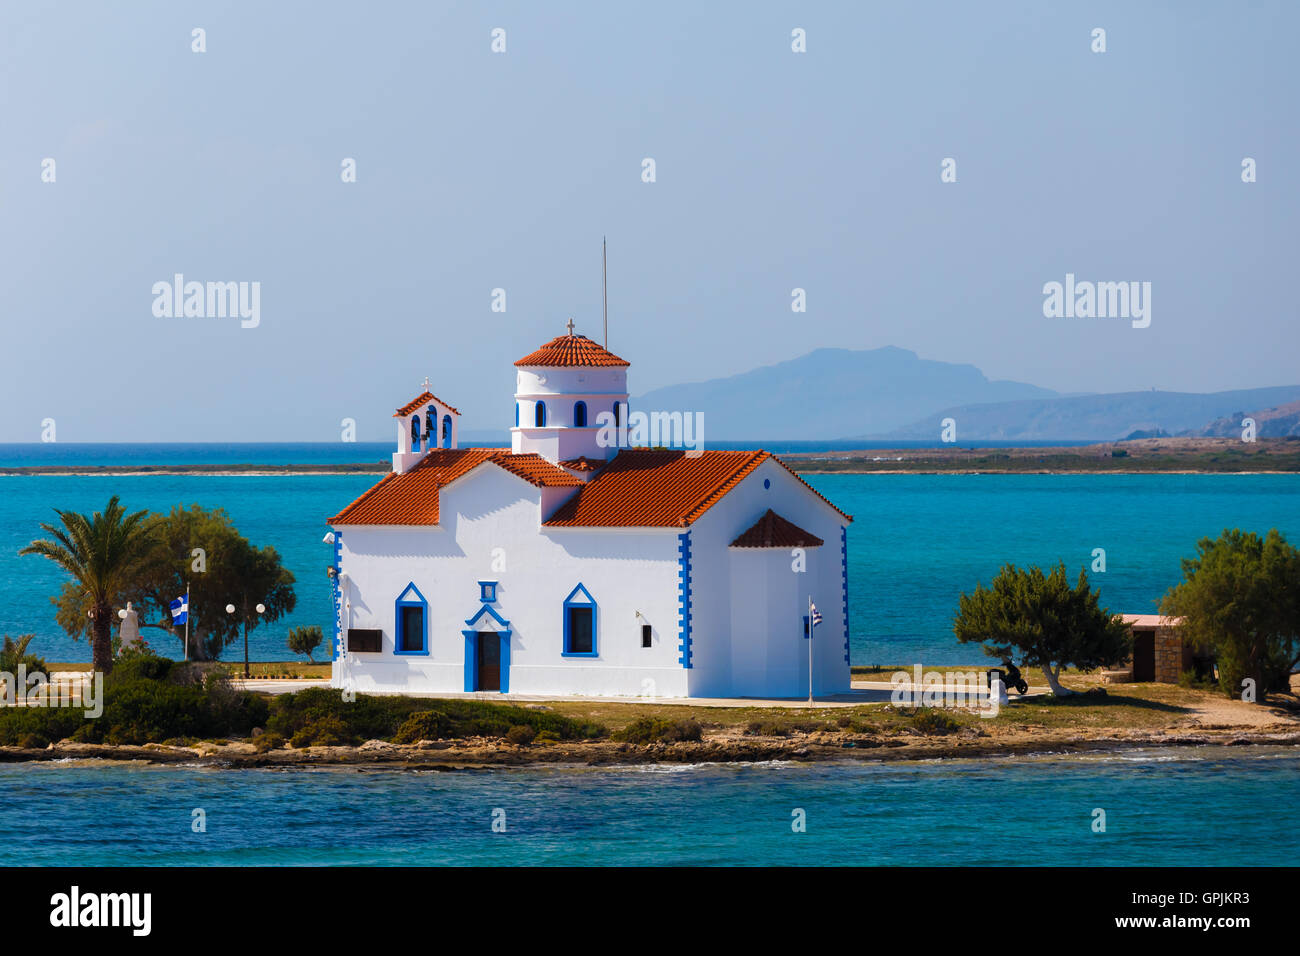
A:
103,553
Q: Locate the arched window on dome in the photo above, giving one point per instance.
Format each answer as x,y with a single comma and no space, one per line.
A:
580,415
415,433
446,431
539,415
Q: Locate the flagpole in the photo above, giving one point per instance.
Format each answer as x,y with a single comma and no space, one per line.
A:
810,653
187,620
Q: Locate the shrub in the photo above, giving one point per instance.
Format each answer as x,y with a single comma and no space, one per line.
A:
932,722
33,742
370,717
52,723
327,731
646,730
140,667
783,728
767,728
145,700
521,734
423,725
267,742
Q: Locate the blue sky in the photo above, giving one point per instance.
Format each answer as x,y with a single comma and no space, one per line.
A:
477,171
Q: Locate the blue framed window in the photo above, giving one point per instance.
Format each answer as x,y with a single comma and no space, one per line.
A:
580,618
580,415
616,414
411,622
446,431
415,433
430,425
516,414
487,591
539,415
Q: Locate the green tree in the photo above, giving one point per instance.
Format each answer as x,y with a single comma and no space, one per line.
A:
305,640
1038,617
103,553
199,548
1240,599
14,653
227,570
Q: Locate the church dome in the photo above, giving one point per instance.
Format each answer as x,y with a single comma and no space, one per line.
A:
571,351
566,393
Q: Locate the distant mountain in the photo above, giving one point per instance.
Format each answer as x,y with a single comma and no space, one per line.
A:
1098,417
1276,422
831,393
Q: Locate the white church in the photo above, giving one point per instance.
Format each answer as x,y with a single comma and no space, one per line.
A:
575,565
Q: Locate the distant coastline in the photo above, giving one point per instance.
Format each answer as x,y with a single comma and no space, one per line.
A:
1140,456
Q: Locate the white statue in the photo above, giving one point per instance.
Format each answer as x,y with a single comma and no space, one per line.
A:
129,632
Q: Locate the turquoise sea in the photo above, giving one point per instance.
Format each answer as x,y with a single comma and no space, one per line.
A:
1207,806
916,543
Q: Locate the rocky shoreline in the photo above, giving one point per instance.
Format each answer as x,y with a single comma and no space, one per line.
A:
493,752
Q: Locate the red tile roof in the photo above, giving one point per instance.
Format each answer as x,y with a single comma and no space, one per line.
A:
639,488
424,398
572,351
411,498
643,488
536,470
773,531
583,463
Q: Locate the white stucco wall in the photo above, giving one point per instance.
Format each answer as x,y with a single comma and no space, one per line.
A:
748,604
490,517
560,389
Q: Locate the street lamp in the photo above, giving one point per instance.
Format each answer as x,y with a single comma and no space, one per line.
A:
261,609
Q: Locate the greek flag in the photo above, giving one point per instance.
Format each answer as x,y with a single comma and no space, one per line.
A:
816,614
180,610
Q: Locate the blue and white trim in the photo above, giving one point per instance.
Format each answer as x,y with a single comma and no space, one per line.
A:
336,596
581,597
844,585
684,599
410,597
472,636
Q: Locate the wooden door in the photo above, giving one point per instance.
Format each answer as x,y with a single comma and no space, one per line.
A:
489,660
1144,656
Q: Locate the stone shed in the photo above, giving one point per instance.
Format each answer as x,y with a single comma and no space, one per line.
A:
1159,653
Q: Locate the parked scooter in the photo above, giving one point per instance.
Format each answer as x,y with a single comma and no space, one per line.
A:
1013,678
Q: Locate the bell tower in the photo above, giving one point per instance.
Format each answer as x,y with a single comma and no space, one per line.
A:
423,424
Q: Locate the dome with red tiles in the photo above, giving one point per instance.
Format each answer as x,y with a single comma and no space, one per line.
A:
572,351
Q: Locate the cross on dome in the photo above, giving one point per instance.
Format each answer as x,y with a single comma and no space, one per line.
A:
570,326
